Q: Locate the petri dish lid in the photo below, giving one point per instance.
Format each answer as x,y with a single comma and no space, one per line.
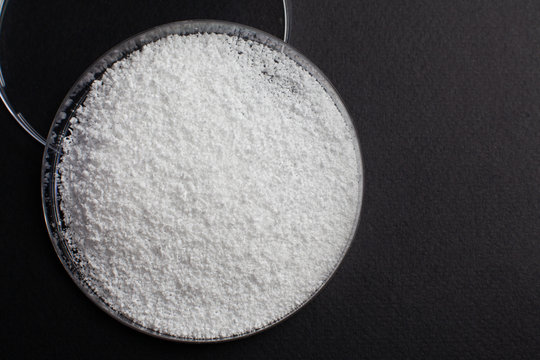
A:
43,52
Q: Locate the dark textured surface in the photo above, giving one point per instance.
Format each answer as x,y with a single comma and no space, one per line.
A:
446,95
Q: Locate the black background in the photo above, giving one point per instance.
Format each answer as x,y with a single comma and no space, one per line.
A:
446,99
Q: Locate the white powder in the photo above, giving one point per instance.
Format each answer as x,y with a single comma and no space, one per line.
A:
210,186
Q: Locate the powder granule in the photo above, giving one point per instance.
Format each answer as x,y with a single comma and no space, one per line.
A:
209,185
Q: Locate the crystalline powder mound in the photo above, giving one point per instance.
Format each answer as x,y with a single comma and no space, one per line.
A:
209,184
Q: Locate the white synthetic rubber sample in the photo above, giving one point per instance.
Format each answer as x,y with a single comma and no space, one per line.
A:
209,185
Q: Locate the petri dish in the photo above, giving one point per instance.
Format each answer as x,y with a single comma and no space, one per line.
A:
43,51
51,197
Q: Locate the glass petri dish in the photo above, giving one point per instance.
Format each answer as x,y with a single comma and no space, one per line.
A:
46,45
51,197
